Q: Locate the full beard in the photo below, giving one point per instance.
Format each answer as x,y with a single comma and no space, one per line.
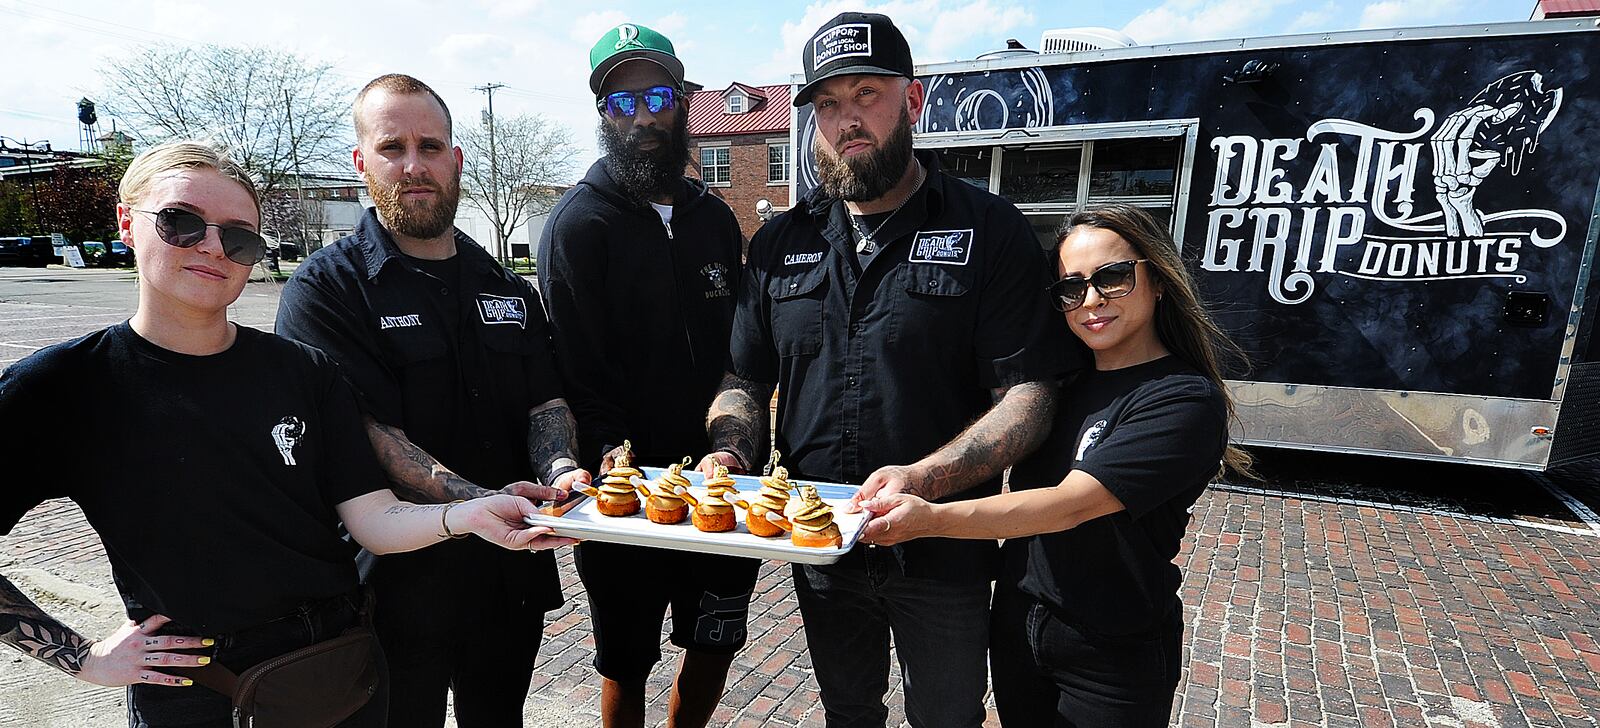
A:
869,176
422,219
646,174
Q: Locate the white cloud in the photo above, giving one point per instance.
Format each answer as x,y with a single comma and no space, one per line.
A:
588,28
1183,20
1314,20
471,49
938,30
1400,13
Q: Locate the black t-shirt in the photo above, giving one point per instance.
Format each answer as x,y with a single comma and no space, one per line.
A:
1153,434
212,479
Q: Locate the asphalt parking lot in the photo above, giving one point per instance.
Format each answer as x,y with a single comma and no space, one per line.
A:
1341,591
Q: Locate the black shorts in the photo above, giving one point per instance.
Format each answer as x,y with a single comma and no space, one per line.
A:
630,587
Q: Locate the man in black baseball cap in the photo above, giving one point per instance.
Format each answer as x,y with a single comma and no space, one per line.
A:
901,315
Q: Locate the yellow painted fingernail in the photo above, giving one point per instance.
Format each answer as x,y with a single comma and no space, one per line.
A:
187,682
205,660
207,642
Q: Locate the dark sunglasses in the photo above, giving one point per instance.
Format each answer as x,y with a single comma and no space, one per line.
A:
626,103
185,229
1112,280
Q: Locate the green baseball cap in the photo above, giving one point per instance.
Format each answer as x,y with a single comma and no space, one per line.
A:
625,43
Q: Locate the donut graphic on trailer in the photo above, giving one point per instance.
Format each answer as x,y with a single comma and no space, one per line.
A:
1500,125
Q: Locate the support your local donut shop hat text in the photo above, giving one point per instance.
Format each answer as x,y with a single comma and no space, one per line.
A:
850,44
627,42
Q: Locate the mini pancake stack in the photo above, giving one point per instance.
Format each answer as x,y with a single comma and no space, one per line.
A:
714,514
615,496
772,498
813,522
664,504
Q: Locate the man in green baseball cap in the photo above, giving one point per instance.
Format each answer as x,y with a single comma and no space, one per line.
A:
640,256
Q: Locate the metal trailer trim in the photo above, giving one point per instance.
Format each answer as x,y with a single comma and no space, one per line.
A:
1263,43
1259,43
1579,300
1059,133
1436,426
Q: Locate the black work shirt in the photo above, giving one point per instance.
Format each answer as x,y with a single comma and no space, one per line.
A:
886,365
1153,434
457,365
215,498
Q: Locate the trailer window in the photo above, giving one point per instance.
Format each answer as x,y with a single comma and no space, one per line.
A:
1040,176
1134,168
968,164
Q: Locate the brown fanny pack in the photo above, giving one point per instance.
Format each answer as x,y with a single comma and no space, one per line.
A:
317,686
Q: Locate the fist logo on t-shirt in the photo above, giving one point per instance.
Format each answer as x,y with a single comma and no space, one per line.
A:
286,434
1090,437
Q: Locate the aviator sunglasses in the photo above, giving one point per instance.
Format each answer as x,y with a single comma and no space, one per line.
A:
184,229
626,103
1112,280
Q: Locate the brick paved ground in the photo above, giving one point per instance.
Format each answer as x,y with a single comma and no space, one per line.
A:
1451,598
1301,613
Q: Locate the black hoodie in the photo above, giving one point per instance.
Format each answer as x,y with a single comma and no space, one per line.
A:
640,313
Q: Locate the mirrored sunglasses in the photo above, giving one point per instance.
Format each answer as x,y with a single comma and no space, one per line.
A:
626,103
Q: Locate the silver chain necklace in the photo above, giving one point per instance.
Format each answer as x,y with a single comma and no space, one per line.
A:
868,244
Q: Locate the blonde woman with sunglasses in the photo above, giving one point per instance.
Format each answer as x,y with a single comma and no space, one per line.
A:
219,496
1087,625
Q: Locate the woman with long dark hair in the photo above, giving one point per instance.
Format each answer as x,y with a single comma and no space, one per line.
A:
1087,626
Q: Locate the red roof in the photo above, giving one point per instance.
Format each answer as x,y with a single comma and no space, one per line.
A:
767,111
1569,8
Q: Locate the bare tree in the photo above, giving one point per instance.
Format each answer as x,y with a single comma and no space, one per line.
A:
533,155
274,108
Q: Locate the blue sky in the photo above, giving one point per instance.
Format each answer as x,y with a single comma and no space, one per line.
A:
539,47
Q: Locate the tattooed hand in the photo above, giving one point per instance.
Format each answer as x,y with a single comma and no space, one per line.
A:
134,654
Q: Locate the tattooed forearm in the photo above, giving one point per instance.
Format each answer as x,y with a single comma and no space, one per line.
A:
552,440
25,626
413,473
737,422
1002,436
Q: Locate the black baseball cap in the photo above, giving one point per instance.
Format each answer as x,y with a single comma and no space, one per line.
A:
852,44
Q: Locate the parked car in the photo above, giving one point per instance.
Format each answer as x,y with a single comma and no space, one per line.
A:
31,251
119,254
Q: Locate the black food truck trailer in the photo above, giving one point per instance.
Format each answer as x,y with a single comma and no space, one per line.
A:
1397,226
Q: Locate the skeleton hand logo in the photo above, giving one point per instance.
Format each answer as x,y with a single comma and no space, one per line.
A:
1500,125
286,434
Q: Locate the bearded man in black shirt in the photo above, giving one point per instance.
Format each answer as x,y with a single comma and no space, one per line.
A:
901,315
450,355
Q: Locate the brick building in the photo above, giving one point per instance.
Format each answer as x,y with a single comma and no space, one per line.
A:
739,144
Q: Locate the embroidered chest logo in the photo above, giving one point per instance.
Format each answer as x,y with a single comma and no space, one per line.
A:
802,258
399,322
286,435
503,310
1090,437
946,247
717,275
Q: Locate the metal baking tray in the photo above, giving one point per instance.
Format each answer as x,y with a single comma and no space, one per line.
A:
578,518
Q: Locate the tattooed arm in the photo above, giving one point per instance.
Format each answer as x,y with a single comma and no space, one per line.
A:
131,654
414,474
1017,424
737,424
385,525
553,446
